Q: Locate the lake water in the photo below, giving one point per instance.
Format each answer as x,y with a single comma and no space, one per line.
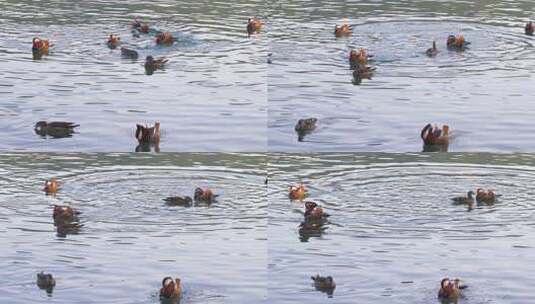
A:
129,239
483,93
393,233
210,97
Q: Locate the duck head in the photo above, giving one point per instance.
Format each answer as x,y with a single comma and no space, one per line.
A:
451,40
470,194
160,37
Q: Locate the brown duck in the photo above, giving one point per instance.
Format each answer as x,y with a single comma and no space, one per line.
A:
432,135
324,284
456,42
164,38
113,41
342,31
46,281
485,196
529,28
450,290
297,192
56,129
184,201
254,25
314,212
51,186
148,135
204,195
171,289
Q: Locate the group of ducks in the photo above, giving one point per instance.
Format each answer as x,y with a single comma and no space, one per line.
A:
315,216
67,217
40,47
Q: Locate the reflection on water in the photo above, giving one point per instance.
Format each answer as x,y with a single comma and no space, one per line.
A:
483,92
394,231
125,239
210,97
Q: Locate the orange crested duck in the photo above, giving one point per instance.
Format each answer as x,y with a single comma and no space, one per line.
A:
530,28
297,192
324,284
465,200
254,25
342,31
152,64
456,42
359,58
204,195
56,129
450,290
170,288
113,41
314,212
145,134
432,51
164,38
51,186
432,135
185,201
64,215
46,281
485,196
140,26
40,45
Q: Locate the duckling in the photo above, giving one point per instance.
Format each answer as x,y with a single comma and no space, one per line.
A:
152,64
185,201
456,42
433,51
128,53
140,26
64,215
170,289
148,135
432,135
449,290
485,196
254,25
56,129
164,38
46,281
530,28
297,192
342,31
204,195
113,41
51,186
314,212
324,284
40,45
465,200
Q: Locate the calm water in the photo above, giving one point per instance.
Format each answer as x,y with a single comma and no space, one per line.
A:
211,96
130,239
393,232
484,93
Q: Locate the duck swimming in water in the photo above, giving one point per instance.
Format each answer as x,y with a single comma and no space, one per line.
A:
39,47
128,53
297,192
342,31
140,26
64,215
485,196
171,289
113,41
254,25
362,72
432,135
185,201
359,58
304,127
164,38
152,64
148,135
450,290
465,200
529,28
51,186
55,129
432,51
46,281
204,195
456,42
314,212
324,284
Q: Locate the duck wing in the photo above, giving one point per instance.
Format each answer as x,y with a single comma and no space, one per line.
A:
62,124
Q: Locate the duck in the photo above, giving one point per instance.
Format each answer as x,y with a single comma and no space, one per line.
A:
51,186
40,45
342,31
148,135
56,129
152,64
129,53
164,38
140,26
432,51
46,281
185,201
432,135
113,41
314,212
485,196
306,125
64,215
204,195
456,42
362,72
297,192
359,58
254,25
325,284
530,28
465,200
170,288
449,290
